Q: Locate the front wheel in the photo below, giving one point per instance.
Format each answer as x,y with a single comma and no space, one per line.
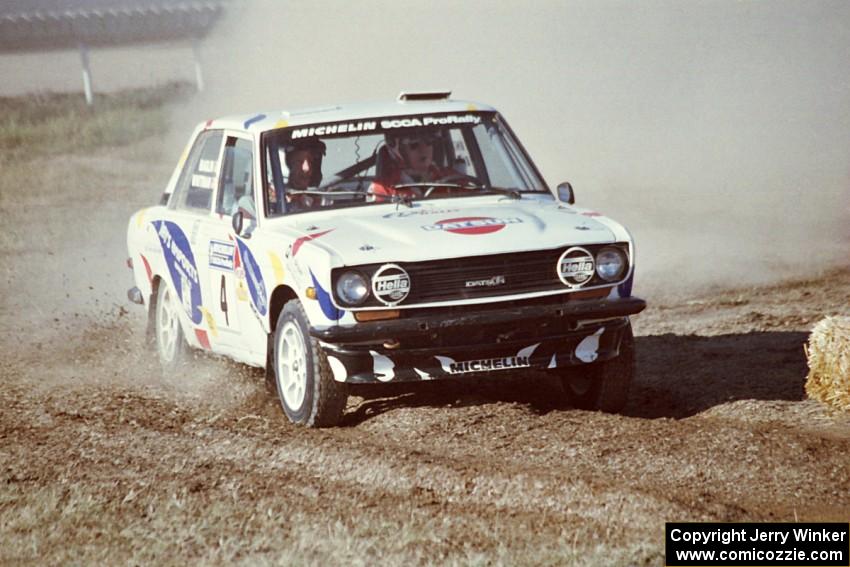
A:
171,346
303,379
602,386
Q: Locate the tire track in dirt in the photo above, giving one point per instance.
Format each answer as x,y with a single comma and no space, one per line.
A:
106,461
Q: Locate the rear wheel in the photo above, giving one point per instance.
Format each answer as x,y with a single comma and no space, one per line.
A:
171,346
304,382
602,386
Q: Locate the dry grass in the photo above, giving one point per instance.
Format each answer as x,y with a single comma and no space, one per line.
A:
828,352
52,123
149,528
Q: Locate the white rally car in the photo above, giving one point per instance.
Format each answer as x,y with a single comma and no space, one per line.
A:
403,241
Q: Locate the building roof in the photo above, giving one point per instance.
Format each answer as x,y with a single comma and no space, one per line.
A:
39,25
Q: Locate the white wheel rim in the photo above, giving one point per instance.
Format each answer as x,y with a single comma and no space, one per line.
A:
167,326
292,365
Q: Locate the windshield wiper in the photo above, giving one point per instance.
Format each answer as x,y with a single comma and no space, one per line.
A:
483,189
397,199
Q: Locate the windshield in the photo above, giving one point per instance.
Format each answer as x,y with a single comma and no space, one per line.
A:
396,159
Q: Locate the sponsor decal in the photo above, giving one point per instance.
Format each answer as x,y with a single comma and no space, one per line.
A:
338,368
386,124
382,366
588,349
140,218
592,214
147,268
277,267
208,317
202,181
423,375
575,267
208,166
325,303
222,255
254,278
329,129
181,266
522,359
417,121
595,226
241,292
390,284
472,225
296,246
421,212
252,120
203,338
491,282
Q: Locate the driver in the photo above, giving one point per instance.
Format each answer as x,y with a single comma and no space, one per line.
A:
304,161
412,157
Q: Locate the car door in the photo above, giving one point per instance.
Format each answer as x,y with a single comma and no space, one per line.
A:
181,233
227,291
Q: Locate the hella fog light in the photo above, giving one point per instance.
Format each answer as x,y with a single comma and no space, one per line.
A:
352,288
610,264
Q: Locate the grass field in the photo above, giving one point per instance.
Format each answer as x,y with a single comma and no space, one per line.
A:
50,123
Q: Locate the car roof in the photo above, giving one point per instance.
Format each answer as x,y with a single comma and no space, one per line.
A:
263,121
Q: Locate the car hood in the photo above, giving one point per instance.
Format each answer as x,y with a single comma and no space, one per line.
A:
448,228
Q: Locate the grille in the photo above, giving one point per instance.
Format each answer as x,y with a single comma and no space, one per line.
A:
446,280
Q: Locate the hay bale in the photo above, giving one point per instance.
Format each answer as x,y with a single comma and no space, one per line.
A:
828,353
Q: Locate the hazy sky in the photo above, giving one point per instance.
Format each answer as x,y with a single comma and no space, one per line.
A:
718,131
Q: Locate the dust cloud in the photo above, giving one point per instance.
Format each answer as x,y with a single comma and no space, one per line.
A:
717,132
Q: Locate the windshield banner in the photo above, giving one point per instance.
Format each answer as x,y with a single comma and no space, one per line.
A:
385,124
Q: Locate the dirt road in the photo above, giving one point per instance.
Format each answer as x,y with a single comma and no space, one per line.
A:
104,460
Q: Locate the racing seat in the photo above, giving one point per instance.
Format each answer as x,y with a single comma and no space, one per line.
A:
385,164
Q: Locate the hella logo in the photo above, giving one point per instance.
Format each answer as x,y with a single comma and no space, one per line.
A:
390,284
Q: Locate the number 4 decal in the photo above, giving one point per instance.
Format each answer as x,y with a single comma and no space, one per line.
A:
223,301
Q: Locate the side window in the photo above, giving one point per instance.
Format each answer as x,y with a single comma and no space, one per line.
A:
496,157
237,189
195,187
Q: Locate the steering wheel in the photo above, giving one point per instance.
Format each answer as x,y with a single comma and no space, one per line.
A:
459,178
340,186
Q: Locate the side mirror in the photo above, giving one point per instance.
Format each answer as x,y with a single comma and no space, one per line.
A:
566,194
238,219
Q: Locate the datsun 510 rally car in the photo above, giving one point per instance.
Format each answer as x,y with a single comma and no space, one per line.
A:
404,241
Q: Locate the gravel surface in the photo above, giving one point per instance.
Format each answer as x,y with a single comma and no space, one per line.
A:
102,459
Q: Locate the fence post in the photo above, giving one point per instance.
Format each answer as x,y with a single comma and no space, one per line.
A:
84,58
196,57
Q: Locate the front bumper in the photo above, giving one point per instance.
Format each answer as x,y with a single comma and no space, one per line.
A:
484,341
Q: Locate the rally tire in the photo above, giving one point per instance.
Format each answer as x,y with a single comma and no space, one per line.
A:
303,379
269,373
171,346
602,386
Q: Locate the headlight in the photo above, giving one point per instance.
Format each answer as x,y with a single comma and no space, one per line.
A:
610,264
352,288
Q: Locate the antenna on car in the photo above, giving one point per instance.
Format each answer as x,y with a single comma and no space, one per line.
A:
405,96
